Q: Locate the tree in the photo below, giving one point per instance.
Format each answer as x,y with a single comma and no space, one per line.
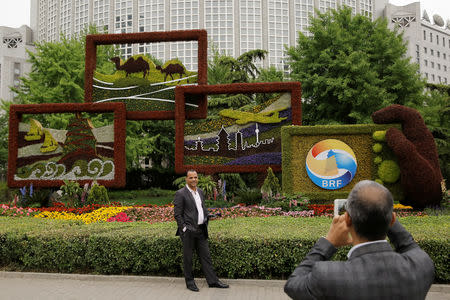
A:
224,69
350,67
57,72
436,114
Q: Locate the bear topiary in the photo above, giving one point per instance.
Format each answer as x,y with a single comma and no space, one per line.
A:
417,155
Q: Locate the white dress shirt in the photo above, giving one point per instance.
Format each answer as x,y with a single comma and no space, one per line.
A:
362,244
198,203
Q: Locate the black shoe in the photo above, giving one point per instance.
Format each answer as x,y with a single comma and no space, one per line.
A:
219,285
192,286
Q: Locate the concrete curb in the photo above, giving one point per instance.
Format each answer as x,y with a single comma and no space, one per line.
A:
132,278
438,288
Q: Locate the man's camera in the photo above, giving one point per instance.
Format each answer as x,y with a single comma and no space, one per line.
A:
339,206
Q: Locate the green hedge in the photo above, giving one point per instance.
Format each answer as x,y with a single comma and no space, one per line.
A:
241,248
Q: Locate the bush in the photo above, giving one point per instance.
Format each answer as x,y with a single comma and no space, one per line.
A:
296,202
271,185
241,248
98,195
248,196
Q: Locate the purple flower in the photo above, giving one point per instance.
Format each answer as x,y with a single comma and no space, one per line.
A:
270,158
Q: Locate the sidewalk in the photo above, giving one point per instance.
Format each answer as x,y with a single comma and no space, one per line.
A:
49,286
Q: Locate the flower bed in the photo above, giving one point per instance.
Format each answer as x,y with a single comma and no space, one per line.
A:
115,212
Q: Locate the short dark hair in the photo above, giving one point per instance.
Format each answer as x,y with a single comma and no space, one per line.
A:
190,170
370,206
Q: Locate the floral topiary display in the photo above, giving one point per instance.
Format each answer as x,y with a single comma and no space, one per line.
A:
417,155
147,89
46,157
237,141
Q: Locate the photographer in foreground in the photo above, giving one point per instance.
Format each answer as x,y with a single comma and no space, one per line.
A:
373,269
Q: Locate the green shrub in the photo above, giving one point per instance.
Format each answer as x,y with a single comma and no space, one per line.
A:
296,202
241,248
248,196
98,195
377,160
71,193
5,194
271,185
233,181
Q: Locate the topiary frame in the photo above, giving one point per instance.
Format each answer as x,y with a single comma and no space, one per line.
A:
93,40
118,109
294,88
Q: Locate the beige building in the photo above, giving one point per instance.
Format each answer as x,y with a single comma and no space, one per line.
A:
234,26
428,40
13,58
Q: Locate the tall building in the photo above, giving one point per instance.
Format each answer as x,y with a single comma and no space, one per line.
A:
428,40
234,26
13,58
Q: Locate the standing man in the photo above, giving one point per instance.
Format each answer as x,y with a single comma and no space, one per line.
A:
373,269
192,220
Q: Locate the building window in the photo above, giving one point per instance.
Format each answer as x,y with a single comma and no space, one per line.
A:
439,79
12,42
432,51
426,75
432,64
443,41
437,39
439,66
438,54
425,50
426,63
424,35
445,68
444,55
432,77
431,37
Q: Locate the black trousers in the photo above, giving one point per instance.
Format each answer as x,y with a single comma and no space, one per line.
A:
196,240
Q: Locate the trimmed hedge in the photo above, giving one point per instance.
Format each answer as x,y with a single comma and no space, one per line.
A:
241,248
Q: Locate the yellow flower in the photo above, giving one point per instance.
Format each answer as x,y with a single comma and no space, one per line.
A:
99,215
401,206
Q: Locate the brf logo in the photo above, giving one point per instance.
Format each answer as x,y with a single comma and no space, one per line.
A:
331,164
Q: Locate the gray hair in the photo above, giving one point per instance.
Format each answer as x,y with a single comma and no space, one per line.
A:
370,206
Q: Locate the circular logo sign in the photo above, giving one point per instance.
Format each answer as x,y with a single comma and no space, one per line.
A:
331,164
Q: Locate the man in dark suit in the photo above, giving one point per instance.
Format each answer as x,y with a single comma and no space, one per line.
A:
373,269
192,220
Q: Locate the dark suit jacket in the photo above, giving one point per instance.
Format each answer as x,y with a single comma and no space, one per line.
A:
185,211
373,271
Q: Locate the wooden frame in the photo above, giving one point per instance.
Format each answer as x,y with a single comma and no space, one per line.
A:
145,37
238,88
118,109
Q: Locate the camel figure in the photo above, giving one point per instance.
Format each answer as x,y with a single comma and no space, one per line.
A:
132,65
171,69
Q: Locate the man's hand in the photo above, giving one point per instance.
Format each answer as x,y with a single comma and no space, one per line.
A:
339,234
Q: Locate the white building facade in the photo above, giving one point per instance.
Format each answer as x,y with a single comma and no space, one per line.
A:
234,26
428,42
13,58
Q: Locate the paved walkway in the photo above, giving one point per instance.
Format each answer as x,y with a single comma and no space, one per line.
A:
49,286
